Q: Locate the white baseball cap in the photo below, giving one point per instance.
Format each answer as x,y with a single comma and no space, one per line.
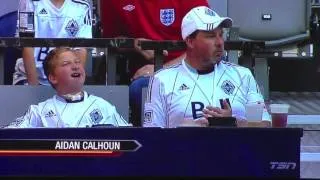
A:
202,18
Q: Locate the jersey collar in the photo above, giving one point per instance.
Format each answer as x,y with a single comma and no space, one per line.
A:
200,72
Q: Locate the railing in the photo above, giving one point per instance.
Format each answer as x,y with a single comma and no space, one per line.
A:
159,46
77,42
111,43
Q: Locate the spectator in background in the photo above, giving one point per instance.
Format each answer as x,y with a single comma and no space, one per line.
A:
8,26
145,20
71,106
190,92
52,19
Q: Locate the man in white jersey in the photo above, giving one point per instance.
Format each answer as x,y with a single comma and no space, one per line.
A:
195,89
71,106
52,19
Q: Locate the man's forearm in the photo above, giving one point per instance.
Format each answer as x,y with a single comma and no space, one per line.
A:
30,67
266,123
82,53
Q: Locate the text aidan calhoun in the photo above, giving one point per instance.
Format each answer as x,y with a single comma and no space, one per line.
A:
88,145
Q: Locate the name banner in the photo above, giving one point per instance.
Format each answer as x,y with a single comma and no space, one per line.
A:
67,147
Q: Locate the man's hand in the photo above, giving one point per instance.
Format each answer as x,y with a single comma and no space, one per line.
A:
147,54
29,66
200,122
211,111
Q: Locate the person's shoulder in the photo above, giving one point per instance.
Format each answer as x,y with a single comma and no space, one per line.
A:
93,96
81,3
98,100
235,67
43,104
168,71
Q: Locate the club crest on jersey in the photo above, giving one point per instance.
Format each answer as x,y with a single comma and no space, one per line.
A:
148,117
227,87
167,16
96,116
72,28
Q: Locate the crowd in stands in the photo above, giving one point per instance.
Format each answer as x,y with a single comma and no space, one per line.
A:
178,92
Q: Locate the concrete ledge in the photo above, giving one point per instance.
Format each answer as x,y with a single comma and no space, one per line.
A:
304,119
309,157
309,170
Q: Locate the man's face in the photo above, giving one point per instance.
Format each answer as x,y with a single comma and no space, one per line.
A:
68,74
209,45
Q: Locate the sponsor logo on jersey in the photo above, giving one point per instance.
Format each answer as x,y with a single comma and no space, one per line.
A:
183,87
96,116
227,87
197,108
50,114
129,7
72,28
167,16
43,11
148,116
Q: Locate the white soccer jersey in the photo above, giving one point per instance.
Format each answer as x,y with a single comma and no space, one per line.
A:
179,92
56,112
72,20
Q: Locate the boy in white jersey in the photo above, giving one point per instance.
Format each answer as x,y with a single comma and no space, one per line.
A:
52,19
195,89
71,106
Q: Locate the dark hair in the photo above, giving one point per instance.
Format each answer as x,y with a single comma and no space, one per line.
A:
194,34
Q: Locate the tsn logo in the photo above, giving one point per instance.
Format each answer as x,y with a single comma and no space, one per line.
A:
283,165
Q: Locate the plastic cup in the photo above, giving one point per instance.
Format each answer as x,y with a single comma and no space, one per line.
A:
279,114
254,112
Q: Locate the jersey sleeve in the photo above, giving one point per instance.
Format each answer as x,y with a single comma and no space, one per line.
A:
30,119
86,28
254,96
154,108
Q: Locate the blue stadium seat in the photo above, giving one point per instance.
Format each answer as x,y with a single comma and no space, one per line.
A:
137,95
7,29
